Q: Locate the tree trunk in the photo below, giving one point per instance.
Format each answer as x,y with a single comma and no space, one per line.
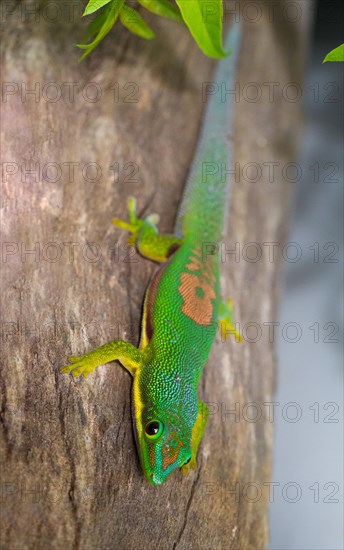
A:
125,122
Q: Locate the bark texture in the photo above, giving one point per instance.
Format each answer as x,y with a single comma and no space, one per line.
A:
70,475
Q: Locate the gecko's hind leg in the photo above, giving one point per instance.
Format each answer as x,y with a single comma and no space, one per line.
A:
145,235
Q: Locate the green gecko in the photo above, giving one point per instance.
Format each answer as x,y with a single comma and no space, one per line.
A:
182,306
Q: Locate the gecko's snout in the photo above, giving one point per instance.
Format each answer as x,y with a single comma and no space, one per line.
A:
153,479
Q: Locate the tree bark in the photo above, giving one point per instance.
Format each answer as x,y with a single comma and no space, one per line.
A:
126,124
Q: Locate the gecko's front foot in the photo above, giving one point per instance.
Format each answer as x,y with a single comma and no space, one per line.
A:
130,357
82,365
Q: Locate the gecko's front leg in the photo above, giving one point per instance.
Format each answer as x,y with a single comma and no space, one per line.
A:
130,357
197,434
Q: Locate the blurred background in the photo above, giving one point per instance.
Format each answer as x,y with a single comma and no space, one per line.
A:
306,509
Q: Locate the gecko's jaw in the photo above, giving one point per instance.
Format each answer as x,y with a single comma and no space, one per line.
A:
153,479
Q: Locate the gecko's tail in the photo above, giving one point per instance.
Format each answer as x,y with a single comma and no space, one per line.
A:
205,198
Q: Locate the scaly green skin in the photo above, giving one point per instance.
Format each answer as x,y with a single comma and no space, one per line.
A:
181,312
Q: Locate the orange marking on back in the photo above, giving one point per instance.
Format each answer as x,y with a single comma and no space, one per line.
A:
198,308
197,290
194,266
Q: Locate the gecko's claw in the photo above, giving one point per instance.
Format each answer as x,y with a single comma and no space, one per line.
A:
132,210
153,219
123,225
135,223
81,366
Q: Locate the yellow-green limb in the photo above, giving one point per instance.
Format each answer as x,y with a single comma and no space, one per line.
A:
130,357
226,321
144,234
197,434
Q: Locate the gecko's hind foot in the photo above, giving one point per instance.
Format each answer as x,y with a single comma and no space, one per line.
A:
145,235
135,223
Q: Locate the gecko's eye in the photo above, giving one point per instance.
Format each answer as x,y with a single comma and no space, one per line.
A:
154,429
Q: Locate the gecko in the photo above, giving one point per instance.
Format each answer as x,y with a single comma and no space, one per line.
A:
182,307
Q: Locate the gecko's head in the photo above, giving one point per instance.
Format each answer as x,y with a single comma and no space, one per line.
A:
164,444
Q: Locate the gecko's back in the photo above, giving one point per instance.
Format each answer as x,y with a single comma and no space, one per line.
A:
184,312
187,297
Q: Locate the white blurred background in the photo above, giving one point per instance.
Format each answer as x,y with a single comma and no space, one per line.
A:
306,512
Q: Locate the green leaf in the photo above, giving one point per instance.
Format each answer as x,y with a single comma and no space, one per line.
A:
134,23
204,20
95,25
162,7
335,55
111,13
95,5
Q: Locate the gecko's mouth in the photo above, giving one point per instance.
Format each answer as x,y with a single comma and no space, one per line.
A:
153,479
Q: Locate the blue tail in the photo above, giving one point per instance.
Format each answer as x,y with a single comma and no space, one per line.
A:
204,203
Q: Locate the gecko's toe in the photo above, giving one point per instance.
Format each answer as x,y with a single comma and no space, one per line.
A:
66,370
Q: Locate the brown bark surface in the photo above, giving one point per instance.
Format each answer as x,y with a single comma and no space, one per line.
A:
70,474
